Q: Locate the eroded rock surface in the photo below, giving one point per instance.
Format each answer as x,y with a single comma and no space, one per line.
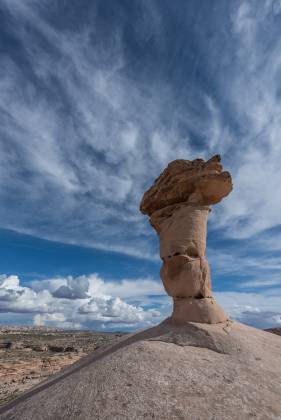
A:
28,355
226,371
198,181
178,206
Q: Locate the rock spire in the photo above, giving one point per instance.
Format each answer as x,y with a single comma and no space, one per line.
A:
178,207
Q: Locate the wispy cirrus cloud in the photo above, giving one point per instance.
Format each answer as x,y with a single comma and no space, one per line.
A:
83,136
86,145
86,124
265,283
254,95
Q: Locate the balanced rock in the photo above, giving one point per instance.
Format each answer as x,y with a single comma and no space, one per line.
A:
196,364
178,206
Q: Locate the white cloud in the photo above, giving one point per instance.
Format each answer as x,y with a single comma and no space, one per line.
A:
110,309
16,298
123,122
82,302
95,286
242,261
261,283
253,87
91,302
85,155
262,310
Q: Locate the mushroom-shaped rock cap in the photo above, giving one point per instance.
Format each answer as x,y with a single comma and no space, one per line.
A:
196,181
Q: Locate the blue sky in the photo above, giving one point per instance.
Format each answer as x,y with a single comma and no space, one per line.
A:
96,98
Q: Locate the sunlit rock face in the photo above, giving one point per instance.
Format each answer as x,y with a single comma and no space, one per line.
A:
178,206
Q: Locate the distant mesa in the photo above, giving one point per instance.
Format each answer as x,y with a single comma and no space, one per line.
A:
178,205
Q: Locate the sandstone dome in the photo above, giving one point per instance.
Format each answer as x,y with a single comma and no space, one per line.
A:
222,371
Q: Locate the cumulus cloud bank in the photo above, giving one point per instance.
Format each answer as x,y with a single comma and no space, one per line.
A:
92,303
82,302
261,310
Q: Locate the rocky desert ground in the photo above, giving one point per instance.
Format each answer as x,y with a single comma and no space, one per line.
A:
226,371
28,355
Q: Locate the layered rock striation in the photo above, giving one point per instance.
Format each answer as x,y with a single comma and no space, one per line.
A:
178,206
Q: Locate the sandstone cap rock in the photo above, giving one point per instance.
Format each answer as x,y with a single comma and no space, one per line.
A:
203,182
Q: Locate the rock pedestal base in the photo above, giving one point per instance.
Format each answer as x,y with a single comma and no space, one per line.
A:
204,310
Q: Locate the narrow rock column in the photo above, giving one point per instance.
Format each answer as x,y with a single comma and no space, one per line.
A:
178,206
